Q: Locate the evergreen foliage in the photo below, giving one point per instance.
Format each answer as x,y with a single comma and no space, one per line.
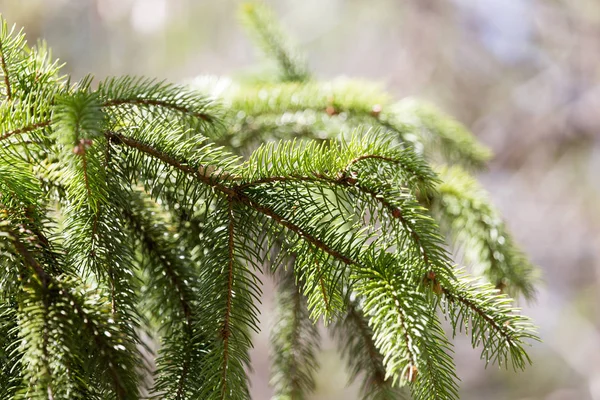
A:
137,206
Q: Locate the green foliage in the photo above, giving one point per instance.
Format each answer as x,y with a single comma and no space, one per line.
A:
141,206
267,32
465,213
356,342
296,341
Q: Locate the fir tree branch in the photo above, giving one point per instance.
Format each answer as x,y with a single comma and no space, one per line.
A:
226,332
345,209
105,348
370,157
159,103
5,73
318,178
319,244
85,174
352,184
271,37
322,287
465,212
356,343
366,337
10,355
29,259
164,157
243,198
45,280
494,323
171,293
234,194
417,355
501,331
88,321
26,129
154,248
295,341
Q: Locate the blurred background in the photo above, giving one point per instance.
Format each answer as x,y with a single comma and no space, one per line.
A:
524,75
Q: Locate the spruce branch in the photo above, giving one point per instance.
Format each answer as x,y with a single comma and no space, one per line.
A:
128,98
3,37
172,297
49,325
494,323
5,73
266,31
119,210
235,195
10,355
25,129
295,341
226,330
166,158
467,215
356,343
405,329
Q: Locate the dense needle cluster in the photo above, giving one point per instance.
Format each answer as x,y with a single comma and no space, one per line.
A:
132,208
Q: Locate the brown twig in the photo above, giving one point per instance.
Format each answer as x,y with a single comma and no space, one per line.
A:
26,129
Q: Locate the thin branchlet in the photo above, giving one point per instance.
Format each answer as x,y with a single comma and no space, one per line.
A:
235,195
226,330
26,129
146,148
5,72
159,103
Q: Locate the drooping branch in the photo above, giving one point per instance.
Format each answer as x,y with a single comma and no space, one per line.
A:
29,259
226,330
318,178
47,281
233,193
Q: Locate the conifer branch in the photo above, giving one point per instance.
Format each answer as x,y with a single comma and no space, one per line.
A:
318,178
52,286
295,340
164,157
5,72
319,244
159,103
226,332
45,280
501,331
474,225
366,337
26,129
235,195
322,287
29,259
367,256
356,343
85,174
271,37
154,247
